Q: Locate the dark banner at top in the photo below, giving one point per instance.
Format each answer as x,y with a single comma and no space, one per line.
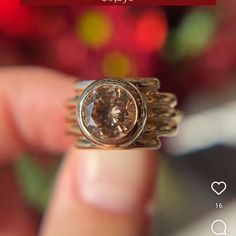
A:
123,2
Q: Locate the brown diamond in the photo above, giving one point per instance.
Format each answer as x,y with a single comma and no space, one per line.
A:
109,112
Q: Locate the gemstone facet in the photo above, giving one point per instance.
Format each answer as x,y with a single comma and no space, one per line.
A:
109,112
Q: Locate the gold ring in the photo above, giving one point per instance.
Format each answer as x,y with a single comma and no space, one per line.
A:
121,113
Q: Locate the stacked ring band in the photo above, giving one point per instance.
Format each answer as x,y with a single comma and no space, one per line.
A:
118,113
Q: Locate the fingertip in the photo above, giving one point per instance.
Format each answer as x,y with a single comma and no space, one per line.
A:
114,180
108,191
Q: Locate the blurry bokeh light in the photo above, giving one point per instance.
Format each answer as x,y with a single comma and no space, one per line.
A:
116,64
193,35
94,28
151,31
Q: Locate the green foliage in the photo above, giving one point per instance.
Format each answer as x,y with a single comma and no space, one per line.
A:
35,181
193,34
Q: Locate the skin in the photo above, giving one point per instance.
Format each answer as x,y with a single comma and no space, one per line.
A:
114,200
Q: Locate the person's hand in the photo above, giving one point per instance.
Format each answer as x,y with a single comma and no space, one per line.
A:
97,193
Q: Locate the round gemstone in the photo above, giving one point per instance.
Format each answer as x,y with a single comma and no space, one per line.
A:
109,112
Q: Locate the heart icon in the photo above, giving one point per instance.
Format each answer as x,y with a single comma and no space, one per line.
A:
218,187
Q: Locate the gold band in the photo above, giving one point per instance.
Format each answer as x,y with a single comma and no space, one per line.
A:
161,117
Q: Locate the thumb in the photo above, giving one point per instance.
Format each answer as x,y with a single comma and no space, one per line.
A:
102,193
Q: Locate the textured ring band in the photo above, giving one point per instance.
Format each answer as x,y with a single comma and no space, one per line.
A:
121,113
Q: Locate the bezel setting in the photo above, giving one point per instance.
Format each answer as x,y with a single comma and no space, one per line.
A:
140,113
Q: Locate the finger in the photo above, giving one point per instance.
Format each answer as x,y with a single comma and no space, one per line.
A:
102,193
32,110
15,217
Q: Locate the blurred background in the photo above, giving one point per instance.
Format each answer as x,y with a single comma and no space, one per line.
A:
191,50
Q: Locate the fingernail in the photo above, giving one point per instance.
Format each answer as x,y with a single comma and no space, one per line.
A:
114,180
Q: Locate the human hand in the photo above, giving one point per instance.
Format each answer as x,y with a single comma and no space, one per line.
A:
105,193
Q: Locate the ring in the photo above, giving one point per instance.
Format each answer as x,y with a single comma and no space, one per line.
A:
121,113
